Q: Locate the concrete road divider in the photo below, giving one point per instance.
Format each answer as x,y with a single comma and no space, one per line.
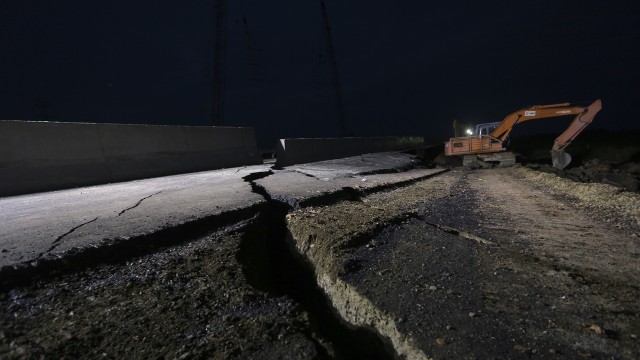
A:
42,156
298,151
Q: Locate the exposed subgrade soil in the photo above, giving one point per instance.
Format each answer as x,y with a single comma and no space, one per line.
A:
482,264
190,301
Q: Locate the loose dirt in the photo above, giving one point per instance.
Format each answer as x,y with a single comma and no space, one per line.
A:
186,302
482,264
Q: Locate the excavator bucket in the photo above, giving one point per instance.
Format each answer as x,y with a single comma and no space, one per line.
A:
560,159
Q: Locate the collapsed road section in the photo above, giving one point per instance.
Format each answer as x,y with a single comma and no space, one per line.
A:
165,272
351,259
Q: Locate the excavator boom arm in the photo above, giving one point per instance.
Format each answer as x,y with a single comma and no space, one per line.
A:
546,111
579,123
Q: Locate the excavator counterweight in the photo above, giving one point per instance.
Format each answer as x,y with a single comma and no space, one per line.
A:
490,148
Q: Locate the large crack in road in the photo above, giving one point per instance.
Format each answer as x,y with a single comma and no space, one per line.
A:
52,308
273,265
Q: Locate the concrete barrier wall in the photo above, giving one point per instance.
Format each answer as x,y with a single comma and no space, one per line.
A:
42,156
299,151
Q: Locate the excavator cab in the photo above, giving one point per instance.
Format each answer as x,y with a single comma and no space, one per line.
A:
486,128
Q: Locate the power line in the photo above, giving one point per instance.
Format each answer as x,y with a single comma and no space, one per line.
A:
334,68
220,44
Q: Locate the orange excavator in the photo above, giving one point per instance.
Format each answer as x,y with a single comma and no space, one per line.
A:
486,145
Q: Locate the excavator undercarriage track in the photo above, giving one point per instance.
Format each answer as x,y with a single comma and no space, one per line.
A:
501,159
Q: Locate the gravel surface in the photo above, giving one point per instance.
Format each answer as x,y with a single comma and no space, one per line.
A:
480,264
608,201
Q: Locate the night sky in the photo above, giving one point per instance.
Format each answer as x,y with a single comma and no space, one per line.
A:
406,67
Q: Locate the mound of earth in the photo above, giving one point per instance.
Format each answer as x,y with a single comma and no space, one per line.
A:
598,156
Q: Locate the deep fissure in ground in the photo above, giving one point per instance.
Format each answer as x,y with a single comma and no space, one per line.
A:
272,265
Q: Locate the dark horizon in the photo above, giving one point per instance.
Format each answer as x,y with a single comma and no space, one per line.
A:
404,69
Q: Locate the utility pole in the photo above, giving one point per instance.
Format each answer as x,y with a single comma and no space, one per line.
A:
253,67
334,70
220,44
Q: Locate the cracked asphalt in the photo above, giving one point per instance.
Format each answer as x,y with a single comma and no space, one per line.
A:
51,225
